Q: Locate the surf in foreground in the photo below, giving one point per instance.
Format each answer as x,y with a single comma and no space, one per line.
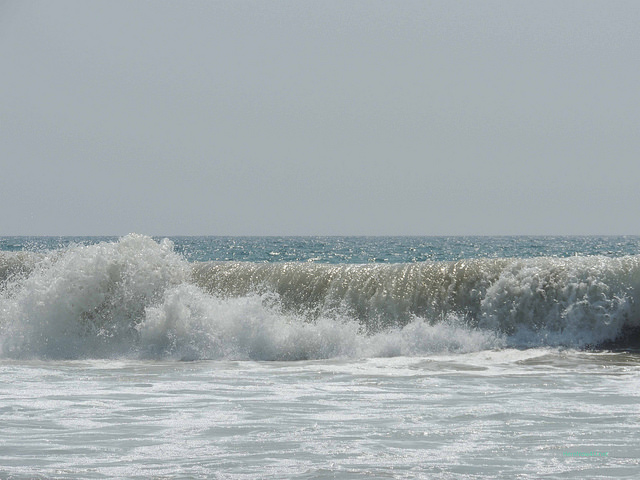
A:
136,297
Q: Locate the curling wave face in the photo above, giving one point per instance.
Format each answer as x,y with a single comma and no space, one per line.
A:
137,297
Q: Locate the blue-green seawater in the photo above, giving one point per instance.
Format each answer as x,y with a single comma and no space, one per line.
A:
362,249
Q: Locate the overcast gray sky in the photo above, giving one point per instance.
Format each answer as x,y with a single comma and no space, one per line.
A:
319,117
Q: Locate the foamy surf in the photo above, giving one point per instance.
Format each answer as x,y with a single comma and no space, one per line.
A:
138,298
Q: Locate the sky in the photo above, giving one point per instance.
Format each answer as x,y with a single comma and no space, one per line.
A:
319,117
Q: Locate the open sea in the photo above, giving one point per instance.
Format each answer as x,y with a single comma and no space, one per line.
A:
320,357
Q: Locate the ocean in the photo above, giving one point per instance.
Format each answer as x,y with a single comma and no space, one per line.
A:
319,357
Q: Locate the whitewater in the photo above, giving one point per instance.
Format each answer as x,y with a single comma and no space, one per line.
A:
335,357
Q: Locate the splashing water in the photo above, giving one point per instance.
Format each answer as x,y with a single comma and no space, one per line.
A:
138,298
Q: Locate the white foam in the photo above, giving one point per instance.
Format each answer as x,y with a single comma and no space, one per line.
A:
86,300
576,301
136,297
192,324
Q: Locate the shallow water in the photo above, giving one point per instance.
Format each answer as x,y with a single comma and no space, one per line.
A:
502,414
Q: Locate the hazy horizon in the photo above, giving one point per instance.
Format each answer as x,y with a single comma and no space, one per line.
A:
319,118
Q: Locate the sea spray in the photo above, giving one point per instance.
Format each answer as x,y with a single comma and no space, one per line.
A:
86,300
576,301
190,324
138,298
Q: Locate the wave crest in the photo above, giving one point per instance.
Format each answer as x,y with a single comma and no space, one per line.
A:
137,297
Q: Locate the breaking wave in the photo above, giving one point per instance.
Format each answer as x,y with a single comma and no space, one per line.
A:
138,298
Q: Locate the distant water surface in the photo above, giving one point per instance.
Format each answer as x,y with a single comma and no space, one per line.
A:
362,249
